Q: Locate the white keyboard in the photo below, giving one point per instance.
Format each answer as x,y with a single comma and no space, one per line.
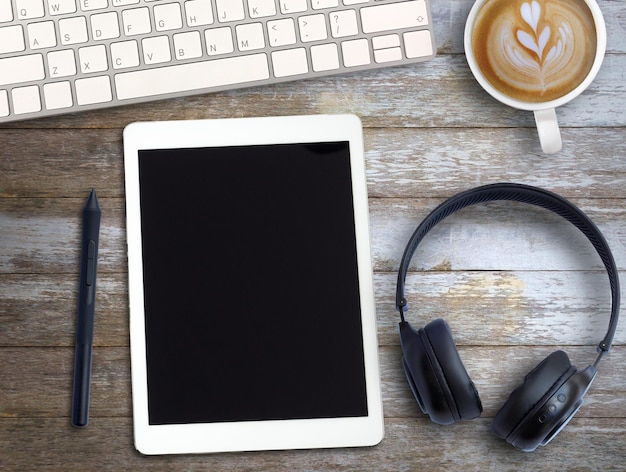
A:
62,56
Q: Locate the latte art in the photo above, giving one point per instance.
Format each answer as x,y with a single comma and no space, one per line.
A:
562,42
534,51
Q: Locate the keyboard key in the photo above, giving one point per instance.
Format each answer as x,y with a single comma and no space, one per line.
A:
90,5
325,57
26,100
187,45
16,70
250,37
73,30
343,23
394,16
61,7
93,90
355,53
167,17
261,8
156,50
57,95
11,39
29,9
198,13
41,35
418,44
6,13
386,41
312,28
229,10
124,54
293,6
290,62
192,76
136,21
281,32
105,26
219,41
388,55
61,63
93,59
320,4
4,103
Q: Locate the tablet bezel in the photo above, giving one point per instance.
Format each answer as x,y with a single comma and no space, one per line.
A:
250,435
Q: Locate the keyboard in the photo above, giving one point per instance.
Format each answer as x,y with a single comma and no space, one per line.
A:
64,56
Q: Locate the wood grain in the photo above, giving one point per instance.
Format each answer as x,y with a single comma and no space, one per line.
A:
514,307
515,282
587,444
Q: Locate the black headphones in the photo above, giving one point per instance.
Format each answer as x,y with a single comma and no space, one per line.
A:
551,393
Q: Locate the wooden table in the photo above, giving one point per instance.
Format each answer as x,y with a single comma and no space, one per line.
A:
513,281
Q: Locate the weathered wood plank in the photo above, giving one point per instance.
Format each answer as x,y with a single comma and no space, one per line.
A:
503,308
40,310
439,162
484,307
65,163
400,162
42,236
46,375
495,236
586,444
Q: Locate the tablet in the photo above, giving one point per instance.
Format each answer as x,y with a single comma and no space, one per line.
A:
252,322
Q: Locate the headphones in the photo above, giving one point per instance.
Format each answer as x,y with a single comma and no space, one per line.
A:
551,393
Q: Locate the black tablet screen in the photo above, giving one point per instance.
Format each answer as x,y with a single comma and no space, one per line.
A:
251,289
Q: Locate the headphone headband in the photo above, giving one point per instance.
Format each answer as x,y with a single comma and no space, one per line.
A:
525,194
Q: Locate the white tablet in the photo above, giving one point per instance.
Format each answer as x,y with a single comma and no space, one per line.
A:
252,322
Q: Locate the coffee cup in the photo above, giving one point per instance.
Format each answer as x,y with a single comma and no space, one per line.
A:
536,55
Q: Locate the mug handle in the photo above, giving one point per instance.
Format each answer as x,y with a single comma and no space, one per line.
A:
548,128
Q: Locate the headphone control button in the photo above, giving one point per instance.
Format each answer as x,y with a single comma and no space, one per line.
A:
551,408
561,398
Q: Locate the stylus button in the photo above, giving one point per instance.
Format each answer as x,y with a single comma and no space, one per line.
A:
91,262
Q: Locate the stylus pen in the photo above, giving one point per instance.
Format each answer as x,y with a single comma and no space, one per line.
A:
86,304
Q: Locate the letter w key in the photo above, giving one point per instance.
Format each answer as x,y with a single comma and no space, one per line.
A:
61,7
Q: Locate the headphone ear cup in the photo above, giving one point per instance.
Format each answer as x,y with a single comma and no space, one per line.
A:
453,372
438,379
529,398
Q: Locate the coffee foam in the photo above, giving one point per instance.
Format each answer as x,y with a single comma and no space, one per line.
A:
534,51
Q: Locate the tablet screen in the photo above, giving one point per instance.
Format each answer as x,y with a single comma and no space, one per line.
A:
252,314
251,290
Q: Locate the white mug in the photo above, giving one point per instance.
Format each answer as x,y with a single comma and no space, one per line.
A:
529,43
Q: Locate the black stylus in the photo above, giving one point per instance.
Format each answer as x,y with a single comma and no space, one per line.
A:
86,304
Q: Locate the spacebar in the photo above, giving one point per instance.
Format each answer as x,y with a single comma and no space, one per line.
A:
191,76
